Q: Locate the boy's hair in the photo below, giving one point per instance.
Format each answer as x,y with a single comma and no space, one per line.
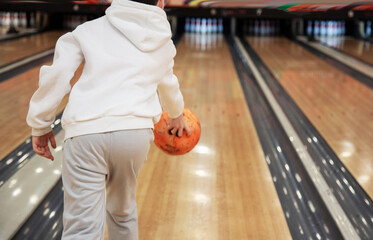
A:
150,2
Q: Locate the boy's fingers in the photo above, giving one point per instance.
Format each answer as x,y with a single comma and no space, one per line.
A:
53,141
43,152
48,154
180,132
187,129
37,151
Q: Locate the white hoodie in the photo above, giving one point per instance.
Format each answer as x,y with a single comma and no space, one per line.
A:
128,57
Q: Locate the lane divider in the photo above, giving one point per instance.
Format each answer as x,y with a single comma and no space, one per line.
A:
360,71
306,214
355,202
325,192
24,62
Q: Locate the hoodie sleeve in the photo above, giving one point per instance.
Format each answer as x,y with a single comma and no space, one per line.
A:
54,84
170,94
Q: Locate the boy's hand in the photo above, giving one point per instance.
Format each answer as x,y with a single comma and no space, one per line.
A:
40,145
177,125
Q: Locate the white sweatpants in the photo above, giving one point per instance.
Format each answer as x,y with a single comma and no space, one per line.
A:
93,163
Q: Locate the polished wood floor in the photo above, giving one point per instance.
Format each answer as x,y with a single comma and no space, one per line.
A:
359,49
17,49
15,95
339,106
223,188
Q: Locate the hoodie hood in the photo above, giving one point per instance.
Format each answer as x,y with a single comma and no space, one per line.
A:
146,26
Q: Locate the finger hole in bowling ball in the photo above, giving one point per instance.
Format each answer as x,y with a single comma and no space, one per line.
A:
170,132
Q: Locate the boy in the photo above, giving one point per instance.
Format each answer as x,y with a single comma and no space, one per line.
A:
112,109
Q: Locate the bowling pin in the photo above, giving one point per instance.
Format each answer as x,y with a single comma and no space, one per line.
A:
187,25
7,19
368,31
16,19
362,29
209,25
23,20
329,28
214,25
193,25
317,28
323,28
220,25
338,30
198,25
203,25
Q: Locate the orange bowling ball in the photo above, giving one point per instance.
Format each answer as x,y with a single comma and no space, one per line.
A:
172,144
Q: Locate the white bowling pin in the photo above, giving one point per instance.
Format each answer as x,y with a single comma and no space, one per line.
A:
368,30
23,20
214,25
193,25
198,25
323,28
209,25
220,25
316,28
7,19
203,25
187,25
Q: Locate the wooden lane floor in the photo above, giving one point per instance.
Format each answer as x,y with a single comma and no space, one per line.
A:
359,49
20,48
339,106
223,188
15,95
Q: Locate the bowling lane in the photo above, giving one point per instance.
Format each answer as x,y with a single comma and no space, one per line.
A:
361,50
15,95
223,188
339,106
20,48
